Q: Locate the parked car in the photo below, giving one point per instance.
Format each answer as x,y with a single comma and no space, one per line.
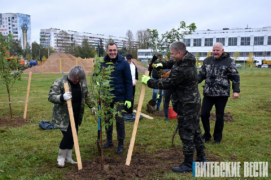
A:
264,66
238,65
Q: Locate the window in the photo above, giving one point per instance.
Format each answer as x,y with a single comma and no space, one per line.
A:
269,40
245,41
208,42
186,42
232,42
258,40
221,40
197,42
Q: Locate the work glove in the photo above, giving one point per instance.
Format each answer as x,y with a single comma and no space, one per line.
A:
157,66
145,79
67,95
128,104
98,84
93,111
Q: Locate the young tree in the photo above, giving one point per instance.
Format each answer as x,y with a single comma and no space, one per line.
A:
250,60
209,54
101,91
7,65
236,56
161,44
28,57
44,58
197,60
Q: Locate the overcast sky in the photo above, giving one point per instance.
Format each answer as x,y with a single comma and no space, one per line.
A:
115,17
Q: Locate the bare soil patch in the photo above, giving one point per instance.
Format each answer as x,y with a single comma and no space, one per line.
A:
143,166
15,122
227,117
140,67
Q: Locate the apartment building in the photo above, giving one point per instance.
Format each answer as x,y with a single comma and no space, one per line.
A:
60,39
242,40
17,24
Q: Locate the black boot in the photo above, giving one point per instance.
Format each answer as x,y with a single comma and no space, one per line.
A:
109,142
120,147
186,166
201,156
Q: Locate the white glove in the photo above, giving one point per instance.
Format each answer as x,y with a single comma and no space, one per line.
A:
67,96
93,110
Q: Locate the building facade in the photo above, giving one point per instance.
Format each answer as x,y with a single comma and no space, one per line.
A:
244,41
60,39
17,24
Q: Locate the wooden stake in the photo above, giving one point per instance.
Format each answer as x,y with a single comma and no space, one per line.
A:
140,103
27,95
74,134
145,115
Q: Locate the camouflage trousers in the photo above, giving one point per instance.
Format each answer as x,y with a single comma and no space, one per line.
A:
189,130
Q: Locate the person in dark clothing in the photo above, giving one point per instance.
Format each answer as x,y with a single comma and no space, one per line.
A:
79,95
185,99
217,71
167,95
123,89
134,74
157,94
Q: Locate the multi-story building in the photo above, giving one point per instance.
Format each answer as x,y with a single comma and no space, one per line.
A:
244,41
60,39
17,24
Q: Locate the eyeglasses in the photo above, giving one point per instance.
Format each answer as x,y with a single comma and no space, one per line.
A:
112,50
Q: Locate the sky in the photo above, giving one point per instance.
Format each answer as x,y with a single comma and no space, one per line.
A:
116,17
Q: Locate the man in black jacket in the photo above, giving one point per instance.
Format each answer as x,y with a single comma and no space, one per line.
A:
217,70
185,99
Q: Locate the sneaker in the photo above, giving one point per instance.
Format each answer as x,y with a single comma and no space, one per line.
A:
167,119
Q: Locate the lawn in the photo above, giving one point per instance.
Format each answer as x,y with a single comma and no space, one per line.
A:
28,152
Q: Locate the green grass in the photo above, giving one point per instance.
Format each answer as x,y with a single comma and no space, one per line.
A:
30,153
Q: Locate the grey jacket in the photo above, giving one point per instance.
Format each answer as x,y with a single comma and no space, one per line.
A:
60,117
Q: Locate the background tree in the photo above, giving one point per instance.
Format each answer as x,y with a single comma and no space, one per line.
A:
209,54
161,44
28,57
15,48
130,41
143,37
44,58
100,48
236,56
250,60
27,50
197,60
35,51
7,65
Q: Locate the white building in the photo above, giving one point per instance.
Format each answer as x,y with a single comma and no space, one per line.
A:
17,24
59,39
244,41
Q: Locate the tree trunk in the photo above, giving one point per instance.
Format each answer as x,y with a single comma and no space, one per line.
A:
101,144
10,110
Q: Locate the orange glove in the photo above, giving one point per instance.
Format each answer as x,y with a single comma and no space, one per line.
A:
164,76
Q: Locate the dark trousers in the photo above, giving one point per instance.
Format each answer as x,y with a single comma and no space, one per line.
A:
167,94
67,140
189,129
207,104
130,110
119,123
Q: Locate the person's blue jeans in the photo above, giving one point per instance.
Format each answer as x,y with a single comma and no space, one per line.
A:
154,96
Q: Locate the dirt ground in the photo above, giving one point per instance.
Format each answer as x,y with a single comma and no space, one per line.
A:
52,64
142,166
15,122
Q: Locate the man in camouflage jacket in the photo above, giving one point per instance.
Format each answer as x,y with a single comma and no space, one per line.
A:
217,70
185,99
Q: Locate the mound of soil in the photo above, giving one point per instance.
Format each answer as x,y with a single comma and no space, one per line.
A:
15,122
140,67
142,166
52,64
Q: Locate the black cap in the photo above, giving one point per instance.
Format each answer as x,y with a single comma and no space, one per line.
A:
129,56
